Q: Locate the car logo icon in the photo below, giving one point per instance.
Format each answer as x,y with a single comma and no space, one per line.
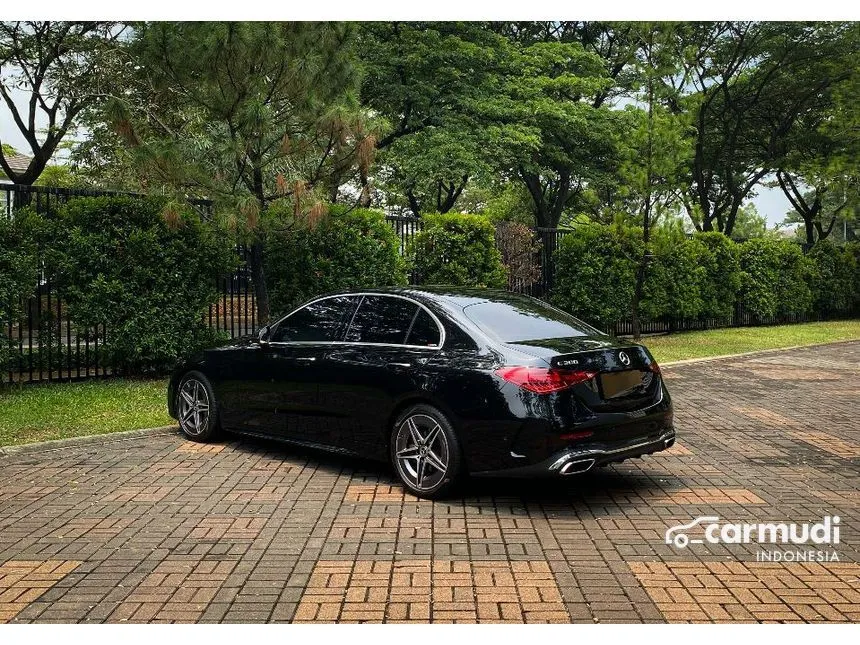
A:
624,358
676,536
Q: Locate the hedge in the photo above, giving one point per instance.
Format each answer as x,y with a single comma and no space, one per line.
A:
457,249
835,279
17,275
595,272
120,264
675,280
775,279
346,249
701,278
853,259
721,276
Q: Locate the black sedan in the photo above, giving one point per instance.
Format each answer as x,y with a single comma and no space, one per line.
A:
441,381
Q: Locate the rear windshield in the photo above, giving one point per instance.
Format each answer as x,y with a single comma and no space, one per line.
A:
525,320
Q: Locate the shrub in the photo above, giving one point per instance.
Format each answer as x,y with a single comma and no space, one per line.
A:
721,275
122,266
853,248
674,281
516,242
596,272
775,278
347,249
17,276
458,249
833,281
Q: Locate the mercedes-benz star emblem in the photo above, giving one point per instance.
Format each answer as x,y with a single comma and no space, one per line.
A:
624,358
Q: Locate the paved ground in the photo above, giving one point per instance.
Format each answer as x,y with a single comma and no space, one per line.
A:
159,529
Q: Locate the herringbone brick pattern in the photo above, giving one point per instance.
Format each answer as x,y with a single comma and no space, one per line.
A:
157,529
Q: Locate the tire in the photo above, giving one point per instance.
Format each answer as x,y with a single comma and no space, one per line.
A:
200,424
425,452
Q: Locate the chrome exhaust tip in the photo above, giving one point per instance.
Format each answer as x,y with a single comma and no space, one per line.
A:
577,467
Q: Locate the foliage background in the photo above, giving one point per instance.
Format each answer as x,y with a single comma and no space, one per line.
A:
119,262
458,249
347,249
17,275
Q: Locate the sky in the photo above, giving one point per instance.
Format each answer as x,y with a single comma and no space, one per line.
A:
770,202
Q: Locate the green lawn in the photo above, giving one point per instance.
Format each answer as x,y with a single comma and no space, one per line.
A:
58,410
720,342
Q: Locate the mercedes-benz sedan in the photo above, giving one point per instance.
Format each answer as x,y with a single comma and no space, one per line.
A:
442,382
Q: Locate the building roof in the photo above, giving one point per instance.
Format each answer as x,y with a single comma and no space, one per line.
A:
18,163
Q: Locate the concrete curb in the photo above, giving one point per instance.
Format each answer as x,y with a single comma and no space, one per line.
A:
98,439
760,352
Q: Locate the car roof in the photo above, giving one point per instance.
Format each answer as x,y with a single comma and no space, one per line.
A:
459,297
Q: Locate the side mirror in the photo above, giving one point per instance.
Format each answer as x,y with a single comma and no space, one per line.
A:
263,334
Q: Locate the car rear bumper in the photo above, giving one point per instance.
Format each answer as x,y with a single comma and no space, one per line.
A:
574,461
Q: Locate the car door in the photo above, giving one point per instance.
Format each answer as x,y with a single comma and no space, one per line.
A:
376,365
293,358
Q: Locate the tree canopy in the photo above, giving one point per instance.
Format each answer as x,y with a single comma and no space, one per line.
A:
560,120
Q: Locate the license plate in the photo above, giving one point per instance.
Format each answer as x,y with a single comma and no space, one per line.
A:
616,384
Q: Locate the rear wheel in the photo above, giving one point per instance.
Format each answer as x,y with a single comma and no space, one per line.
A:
196,407
425,452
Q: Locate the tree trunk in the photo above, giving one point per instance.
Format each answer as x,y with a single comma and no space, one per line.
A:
810,229
261,290
258,275
646,218
733,214
364,198
637,295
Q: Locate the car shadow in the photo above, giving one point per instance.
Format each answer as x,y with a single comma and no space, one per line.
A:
604,487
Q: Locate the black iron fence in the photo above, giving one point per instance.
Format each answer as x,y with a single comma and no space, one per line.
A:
47,346
235,311
741,317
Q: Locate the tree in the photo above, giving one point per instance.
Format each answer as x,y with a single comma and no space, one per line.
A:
437,86
62,68
821,206
496,102
246,114
749,224
658,147
820,170
558,90
752,82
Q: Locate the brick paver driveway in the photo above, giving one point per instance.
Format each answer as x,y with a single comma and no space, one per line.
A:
160,529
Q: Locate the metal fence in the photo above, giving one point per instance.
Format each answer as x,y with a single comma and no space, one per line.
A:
740,318
235,311
47,346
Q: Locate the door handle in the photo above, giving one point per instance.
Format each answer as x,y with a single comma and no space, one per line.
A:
305,359
394,366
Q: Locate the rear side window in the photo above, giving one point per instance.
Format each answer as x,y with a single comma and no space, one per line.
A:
319,321
425,331
382,319
526,319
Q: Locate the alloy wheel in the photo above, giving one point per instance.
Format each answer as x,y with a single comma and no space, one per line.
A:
422,452
193,407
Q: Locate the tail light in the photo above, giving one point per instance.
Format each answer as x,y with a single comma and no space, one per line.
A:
541,380
654,368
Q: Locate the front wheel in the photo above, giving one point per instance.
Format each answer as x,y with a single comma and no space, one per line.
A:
196,407
425,452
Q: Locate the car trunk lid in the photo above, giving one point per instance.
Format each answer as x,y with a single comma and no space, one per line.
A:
627,376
